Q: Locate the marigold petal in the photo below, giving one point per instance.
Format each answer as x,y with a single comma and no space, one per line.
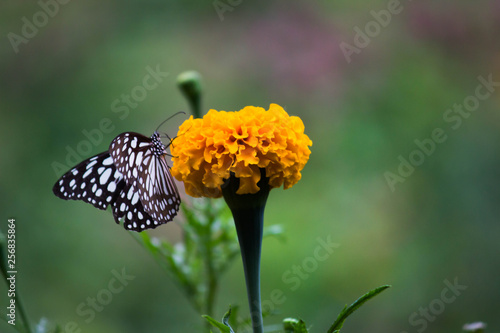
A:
206,151
249,184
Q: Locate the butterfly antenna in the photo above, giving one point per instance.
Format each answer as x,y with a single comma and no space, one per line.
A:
165,135
170,139
163,122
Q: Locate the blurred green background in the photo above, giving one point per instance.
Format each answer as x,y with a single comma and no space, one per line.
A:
440,224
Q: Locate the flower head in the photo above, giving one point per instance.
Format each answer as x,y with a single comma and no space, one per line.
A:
208,150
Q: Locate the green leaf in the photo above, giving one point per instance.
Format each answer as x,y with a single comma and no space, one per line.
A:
225,319
348,310
233,319
292,325
224,327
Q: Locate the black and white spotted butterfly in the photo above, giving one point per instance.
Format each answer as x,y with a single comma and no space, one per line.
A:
133,177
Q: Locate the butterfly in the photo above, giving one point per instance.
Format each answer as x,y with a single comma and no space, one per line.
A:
132,176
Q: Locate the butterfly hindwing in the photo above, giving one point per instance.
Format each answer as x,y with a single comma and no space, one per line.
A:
159,192
142,162
129,208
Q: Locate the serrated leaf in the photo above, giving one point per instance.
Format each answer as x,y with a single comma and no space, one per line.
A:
348,310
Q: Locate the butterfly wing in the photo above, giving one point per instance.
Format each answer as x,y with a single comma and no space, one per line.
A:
129,208
98,182
142,162
94,181
159,193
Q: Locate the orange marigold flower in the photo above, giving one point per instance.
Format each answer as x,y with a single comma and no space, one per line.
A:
208,150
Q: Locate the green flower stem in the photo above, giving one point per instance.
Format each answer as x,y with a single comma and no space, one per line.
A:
211,271
189,83
212,289
249,225
248,214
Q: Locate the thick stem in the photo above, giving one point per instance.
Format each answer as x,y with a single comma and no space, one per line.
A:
249,225
248,214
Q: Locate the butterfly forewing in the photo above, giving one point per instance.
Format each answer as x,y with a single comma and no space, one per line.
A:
128,150
142,162
94,180
98,182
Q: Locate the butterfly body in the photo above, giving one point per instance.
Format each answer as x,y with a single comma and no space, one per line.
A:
133,177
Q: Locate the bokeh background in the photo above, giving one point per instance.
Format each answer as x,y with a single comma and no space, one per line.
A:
362,112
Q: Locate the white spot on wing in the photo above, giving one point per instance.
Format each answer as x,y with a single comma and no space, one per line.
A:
90,165
105,176
138,159
112,187
108,161
88,172
131,159
135,198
